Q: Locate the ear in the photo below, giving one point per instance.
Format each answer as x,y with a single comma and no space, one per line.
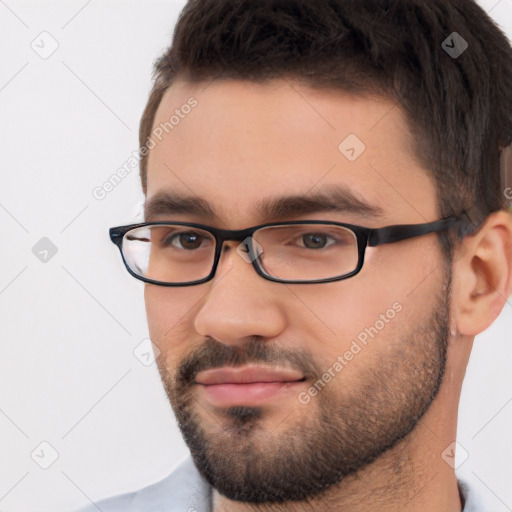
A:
482,275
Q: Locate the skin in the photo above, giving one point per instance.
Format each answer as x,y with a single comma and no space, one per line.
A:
245,142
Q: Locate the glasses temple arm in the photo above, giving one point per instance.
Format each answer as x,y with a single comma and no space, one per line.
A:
391,234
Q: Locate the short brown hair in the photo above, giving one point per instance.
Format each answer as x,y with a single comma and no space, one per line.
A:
459,108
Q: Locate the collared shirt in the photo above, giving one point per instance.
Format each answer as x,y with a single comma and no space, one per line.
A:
184,490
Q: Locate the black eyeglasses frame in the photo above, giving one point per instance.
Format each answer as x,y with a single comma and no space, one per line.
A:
366,237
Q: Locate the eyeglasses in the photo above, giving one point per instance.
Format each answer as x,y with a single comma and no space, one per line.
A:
295,252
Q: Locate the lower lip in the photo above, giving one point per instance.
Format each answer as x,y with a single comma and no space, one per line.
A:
253,393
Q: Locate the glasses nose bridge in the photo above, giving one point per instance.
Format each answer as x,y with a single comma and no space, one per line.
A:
235,235
232,235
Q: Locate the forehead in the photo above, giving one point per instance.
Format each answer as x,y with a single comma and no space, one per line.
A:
234,143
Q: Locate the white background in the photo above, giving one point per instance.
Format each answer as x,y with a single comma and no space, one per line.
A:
69,326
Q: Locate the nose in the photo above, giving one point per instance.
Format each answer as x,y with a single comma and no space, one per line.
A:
239,304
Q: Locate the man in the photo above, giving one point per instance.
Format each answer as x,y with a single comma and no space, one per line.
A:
325,233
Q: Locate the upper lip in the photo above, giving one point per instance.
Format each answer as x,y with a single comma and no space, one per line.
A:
247,375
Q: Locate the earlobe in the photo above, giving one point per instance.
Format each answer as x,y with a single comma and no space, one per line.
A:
482,276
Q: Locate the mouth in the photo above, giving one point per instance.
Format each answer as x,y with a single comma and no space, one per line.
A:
247,385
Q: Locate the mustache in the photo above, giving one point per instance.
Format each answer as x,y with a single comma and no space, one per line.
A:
213,354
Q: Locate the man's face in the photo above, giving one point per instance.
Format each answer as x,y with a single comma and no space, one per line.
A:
362,358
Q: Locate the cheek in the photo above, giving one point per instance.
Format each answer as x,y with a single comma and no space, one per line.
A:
409,273
345,309
374,305
170,315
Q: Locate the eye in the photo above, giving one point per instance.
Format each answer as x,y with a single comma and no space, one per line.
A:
316,240
188,240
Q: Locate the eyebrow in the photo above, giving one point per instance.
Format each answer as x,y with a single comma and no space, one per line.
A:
339,199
